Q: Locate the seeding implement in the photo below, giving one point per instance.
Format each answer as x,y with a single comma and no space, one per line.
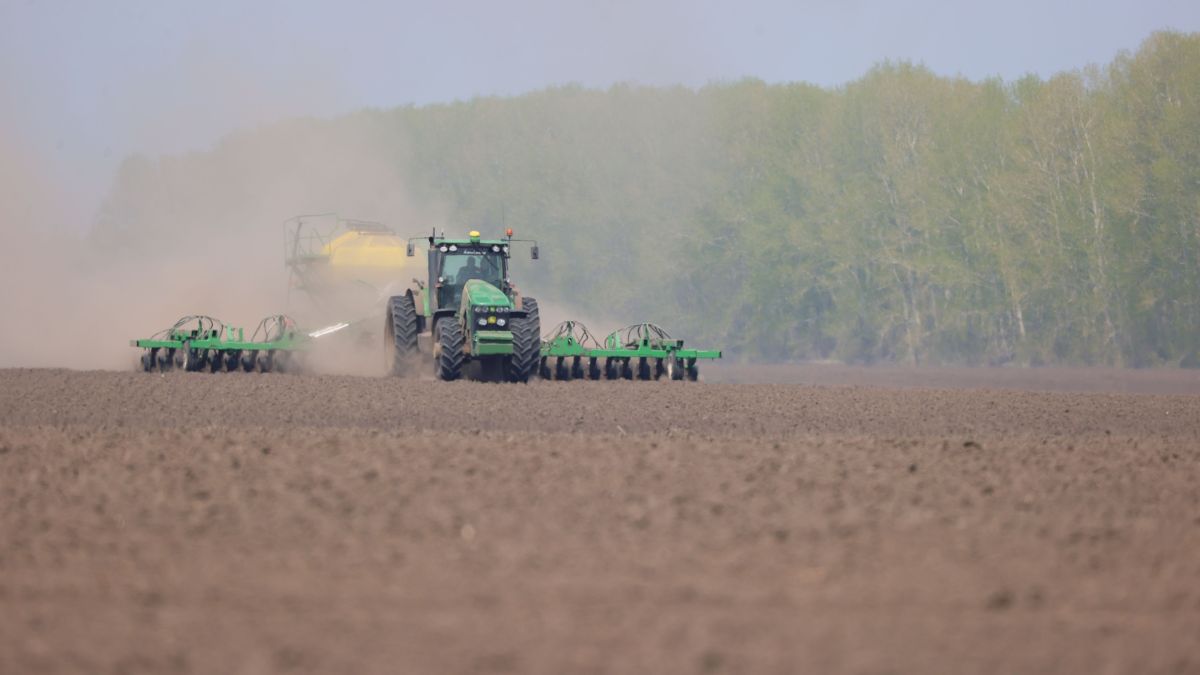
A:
641,350
204,343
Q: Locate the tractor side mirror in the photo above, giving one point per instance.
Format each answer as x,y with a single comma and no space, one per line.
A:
410,250
533,252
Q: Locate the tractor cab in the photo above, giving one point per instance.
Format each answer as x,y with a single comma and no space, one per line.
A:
452,263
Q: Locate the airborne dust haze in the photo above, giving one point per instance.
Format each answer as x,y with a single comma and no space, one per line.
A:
75,300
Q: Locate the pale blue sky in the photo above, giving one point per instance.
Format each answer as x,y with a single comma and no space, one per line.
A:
83,84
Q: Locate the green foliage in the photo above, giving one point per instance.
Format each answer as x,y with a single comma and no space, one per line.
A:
905,216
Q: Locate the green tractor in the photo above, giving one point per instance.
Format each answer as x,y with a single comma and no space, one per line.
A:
478,324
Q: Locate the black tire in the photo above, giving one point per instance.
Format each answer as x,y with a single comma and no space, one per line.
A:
674,369
148,359
249,360
645,369
577,368
527,343
166,359
626,370
450,341
562,370
216,361
400,332
693,372
232,361
544,368
266,360
612,369
593,370
188,359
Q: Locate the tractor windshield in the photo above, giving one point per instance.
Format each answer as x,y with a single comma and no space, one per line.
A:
458,267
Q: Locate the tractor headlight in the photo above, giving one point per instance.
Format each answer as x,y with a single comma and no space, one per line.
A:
481,321
501,321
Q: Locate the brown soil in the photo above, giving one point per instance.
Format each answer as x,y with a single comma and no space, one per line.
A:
267,523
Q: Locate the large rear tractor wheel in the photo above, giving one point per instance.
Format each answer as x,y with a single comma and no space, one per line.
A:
527,343
450,349
400,333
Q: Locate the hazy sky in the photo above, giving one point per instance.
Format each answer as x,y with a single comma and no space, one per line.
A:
83,84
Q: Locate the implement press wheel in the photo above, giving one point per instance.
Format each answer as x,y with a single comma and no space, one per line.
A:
562,369
645,369
673,369
187,359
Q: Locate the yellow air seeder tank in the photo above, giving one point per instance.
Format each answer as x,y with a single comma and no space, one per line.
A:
374,257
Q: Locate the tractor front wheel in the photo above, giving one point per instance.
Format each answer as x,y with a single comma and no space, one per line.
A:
450,349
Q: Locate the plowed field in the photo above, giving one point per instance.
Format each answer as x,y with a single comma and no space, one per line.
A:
271,523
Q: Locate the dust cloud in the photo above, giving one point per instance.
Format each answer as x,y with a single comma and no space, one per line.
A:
213,245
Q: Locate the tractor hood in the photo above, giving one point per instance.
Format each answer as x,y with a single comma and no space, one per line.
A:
479,292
